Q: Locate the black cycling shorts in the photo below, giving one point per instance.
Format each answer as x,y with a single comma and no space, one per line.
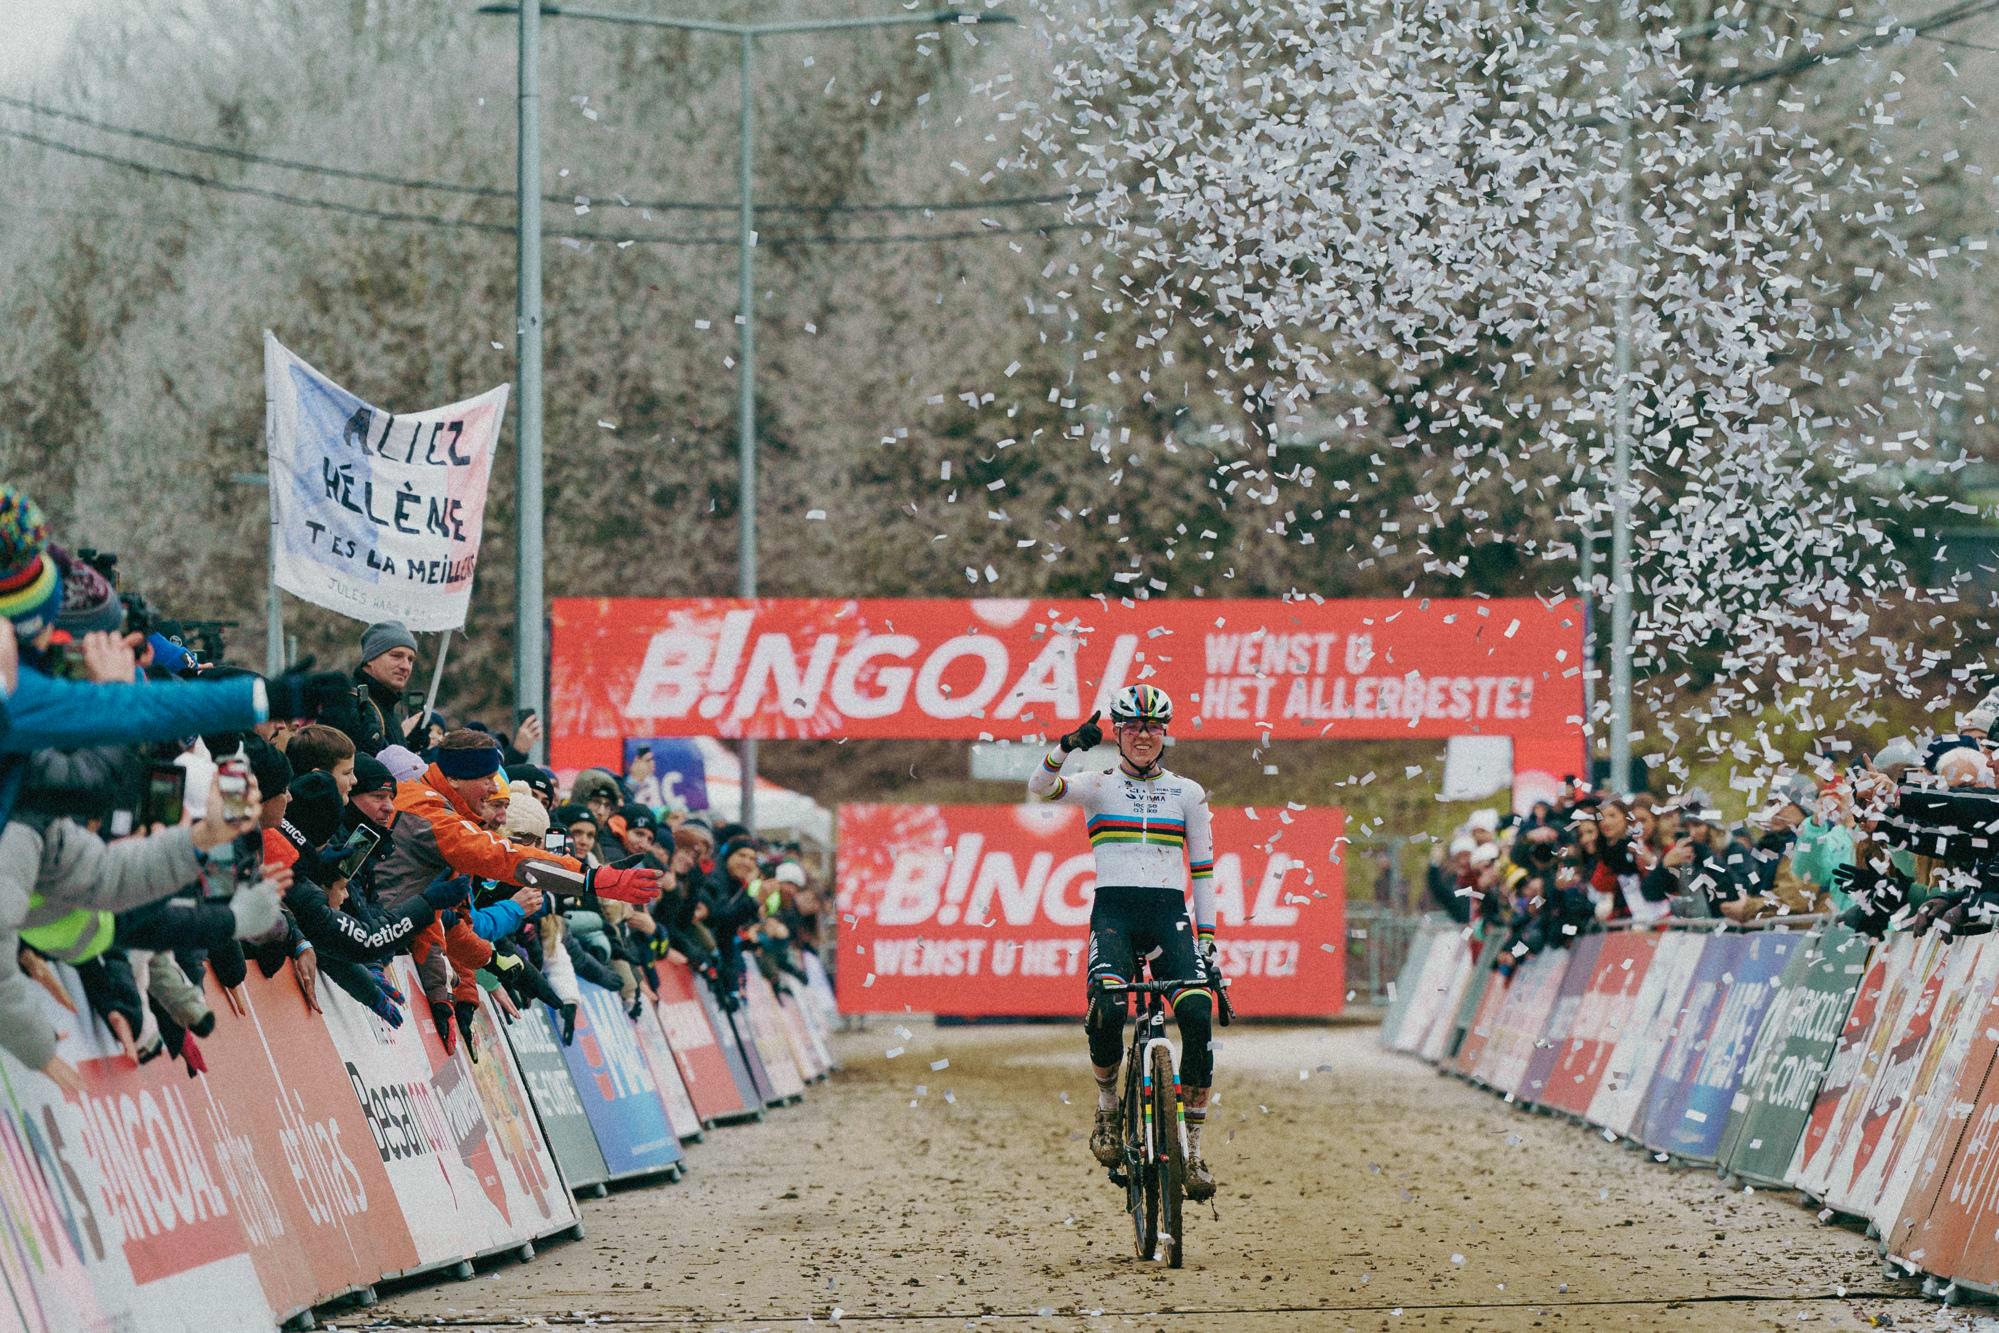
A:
1127,924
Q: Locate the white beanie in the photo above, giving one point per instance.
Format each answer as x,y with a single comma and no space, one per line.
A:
525,815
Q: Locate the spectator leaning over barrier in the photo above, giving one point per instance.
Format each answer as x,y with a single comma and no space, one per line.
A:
438,833
1697,860
51,867
373,713
1825,845
1773,886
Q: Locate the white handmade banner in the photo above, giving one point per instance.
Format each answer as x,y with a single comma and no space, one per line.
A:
376,515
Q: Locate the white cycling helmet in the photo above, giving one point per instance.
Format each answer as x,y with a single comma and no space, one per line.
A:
1142,703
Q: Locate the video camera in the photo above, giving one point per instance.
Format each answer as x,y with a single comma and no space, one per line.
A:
1957,827
201,638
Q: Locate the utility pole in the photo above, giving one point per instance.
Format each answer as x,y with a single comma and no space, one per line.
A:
746,381
528,675
530,614
1622,584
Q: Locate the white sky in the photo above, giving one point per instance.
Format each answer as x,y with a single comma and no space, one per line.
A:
33,34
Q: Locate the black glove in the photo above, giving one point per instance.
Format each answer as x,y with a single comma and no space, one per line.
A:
465,1010
1086,737
303,692
440,1015
1931,908
568,1024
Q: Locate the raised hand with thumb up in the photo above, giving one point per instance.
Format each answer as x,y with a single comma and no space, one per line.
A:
1086,737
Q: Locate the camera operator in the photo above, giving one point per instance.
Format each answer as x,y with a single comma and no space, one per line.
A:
1947,819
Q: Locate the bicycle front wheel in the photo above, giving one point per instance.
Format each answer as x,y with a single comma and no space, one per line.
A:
1170,1154
1141,1187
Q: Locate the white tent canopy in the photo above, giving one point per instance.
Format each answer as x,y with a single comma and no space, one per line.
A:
777,807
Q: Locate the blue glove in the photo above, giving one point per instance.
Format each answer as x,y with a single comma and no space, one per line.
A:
446,891
385,1009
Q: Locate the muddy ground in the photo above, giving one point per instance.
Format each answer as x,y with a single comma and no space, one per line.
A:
1359,1190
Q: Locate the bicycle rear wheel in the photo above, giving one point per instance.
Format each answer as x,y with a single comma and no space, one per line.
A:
1169,1152
1141,1189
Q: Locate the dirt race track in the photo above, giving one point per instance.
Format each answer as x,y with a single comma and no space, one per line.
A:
1359,1190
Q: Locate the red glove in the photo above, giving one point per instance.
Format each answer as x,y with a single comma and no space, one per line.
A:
638,885
190,1051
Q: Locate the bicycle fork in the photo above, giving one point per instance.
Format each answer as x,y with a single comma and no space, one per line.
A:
1155,1150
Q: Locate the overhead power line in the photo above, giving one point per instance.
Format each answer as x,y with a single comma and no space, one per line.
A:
507,195
1853,21
433,220
1948,16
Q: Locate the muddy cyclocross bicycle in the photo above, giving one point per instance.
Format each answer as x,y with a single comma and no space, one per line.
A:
1154,1127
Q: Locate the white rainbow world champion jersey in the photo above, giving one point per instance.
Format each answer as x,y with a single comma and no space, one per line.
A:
1151,832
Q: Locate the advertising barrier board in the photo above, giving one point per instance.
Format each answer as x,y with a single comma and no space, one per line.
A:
766,1030
1403,988
1849,1081
704,1069
1600,1019
1688,1108
1958,1161
537,1047
1485,1019
1583,955
1768,1113
731,1028
617,1089
658,1054
1932,1082
1619,1102
470,1171
1529,999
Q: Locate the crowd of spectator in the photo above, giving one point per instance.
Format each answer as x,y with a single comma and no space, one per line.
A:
167,815
1907,838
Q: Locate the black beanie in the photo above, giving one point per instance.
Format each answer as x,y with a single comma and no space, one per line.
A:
536,778
268,765
574,813
371,774
315,808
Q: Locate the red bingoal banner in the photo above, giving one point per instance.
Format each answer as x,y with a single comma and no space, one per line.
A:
985,909
1307,668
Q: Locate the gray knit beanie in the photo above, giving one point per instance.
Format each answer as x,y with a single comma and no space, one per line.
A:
382,636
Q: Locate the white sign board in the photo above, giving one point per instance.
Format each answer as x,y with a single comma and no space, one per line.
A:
376,515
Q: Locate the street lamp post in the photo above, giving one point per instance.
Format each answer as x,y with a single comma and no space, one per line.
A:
529,189
530,648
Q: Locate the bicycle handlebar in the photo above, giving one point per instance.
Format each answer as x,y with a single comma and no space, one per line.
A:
1158,987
